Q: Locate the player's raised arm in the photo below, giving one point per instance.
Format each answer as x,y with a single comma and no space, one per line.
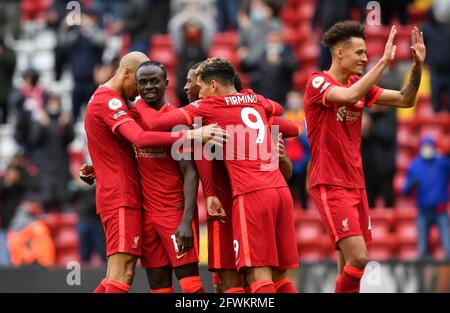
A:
351,52
406,98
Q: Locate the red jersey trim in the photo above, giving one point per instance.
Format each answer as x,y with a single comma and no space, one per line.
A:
374,98
243,222
216,244
121,229
187,116
113,128
323,195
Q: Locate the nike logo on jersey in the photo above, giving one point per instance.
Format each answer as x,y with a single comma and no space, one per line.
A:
180,256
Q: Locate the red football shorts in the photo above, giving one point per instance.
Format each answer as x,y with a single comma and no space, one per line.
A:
159,245
264,230
344,211
220,243
123,230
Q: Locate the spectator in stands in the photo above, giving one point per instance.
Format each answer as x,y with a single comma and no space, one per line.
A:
7,66
192,31
28,101
438,50
13,185
29,239
136,23
379,154
10,19
271,75
429,174
51,135
90,229
83,46
104,72
297,149
389,7
254,25
328,13
227,11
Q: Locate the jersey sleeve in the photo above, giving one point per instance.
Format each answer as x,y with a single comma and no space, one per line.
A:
372,95
317,89
114,112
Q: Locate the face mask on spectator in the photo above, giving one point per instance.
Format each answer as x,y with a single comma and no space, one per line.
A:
274,48
257,15
427,152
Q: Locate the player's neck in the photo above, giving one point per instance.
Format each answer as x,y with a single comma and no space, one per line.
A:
225,90
115,85
338,74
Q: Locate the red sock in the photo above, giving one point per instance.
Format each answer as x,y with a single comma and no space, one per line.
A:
338,281
191,284
101,287
162,290
234,290
285,286
114,286
350,280
263,286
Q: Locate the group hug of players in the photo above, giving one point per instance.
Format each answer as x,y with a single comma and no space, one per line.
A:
147,169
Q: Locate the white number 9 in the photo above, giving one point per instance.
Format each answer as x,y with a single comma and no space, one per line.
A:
259,124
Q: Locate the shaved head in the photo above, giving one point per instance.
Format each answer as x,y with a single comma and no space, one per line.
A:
132,60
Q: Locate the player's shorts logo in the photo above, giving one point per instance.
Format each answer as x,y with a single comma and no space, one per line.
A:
135,242
317,81
114,104
345,226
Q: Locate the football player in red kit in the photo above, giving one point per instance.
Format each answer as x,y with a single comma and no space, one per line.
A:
334,102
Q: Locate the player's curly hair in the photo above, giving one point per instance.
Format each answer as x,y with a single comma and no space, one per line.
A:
216,68
343,31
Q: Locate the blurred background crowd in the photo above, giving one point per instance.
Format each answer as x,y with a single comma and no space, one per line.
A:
52,59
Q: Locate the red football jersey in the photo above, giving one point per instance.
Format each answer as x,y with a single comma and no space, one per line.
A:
161,176
250,153
117,177
334,133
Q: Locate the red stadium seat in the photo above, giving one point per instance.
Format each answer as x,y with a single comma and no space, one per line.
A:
375,47
165,56
65,256
308,53
399,181
161,42
305,11
228,53
380,251
404,158
66,238
403,52
289,16
407,252
406,233
226,39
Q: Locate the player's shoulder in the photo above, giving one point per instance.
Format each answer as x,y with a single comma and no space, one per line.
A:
108,97
317,79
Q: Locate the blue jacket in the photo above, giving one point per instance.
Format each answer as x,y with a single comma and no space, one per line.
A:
431,178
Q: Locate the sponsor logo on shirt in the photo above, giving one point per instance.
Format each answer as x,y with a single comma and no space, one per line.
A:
347,114
114,104
119,114
345,226
317,81
152,153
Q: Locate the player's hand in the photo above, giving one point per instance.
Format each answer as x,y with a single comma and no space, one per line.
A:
390,48
211,133
214,209
280,146
87,174
184,237
418,46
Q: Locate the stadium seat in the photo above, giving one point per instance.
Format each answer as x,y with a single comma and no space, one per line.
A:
65,256
226,39
403,52
403,161
380,251
399,181
228,53
305,11
164,55
308,53
407,252
161,41
406,233
289,16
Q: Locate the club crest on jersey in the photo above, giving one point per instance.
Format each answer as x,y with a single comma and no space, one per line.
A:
317,81
114,104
